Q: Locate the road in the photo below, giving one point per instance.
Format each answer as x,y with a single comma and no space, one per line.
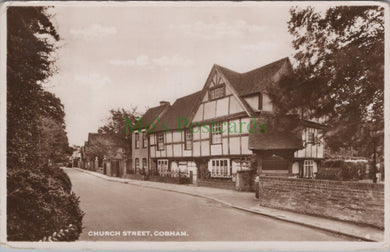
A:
116,211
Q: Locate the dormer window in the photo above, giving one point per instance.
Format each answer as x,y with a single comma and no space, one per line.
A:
217,92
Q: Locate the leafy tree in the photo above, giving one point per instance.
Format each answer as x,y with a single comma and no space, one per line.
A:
53,143
339,74
30,47
39,201
116,125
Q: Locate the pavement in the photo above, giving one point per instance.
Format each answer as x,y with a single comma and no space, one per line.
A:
246,201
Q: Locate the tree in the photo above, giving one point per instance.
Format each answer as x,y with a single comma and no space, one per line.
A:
339,74
30,47
39,200
116,125
53,143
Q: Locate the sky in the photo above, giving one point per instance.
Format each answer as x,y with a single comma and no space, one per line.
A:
135,56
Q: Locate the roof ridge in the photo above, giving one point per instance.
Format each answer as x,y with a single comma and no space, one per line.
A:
268,65
219,66
162,105
188,95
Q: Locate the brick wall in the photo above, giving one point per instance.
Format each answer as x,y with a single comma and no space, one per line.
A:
344,200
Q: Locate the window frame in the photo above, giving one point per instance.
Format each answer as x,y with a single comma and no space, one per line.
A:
137,141
308,168
162,141
166,167
144,138
310,137
212,133
260,101
186,140
223,86
136,164
220,168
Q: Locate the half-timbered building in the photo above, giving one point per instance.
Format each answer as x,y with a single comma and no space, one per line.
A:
210,133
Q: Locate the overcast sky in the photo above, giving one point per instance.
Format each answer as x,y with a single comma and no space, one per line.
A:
114,57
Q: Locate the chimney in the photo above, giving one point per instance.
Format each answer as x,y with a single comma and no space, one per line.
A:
164,103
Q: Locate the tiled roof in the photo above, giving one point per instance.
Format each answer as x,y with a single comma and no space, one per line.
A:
256,80
274,141
281,133
182,108
152,114
244,83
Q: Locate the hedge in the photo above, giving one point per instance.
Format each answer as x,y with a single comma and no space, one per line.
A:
40,203
341,170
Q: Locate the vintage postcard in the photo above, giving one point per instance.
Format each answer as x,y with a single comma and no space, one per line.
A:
194,125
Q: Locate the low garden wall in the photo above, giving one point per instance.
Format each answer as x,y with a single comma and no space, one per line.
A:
344,200
217,183
135,176
174,180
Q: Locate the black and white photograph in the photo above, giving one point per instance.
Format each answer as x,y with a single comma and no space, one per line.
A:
194,125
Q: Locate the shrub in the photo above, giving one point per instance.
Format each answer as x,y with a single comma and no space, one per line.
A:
330,173
341,170
39,203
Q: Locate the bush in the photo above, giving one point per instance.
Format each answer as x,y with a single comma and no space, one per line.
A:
62,177
341,170
39,204
330,173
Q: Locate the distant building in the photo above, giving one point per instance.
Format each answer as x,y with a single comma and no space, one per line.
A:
106,154
75,159
140,140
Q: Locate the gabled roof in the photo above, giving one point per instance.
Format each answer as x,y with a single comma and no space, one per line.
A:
151,114
256,80
180,109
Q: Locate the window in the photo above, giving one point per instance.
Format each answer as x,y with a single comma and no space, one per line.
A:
160,141
216,133
310,137
144,164
308,166
188,140
217,92
162,166
137,140
144,140
260,101
136,165
220,168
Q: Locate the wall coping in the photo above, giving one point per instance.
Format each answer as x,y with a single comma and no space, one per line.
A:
326,182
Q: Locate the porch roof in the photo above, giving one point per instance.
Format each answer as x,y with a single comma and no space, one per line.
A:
274,141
